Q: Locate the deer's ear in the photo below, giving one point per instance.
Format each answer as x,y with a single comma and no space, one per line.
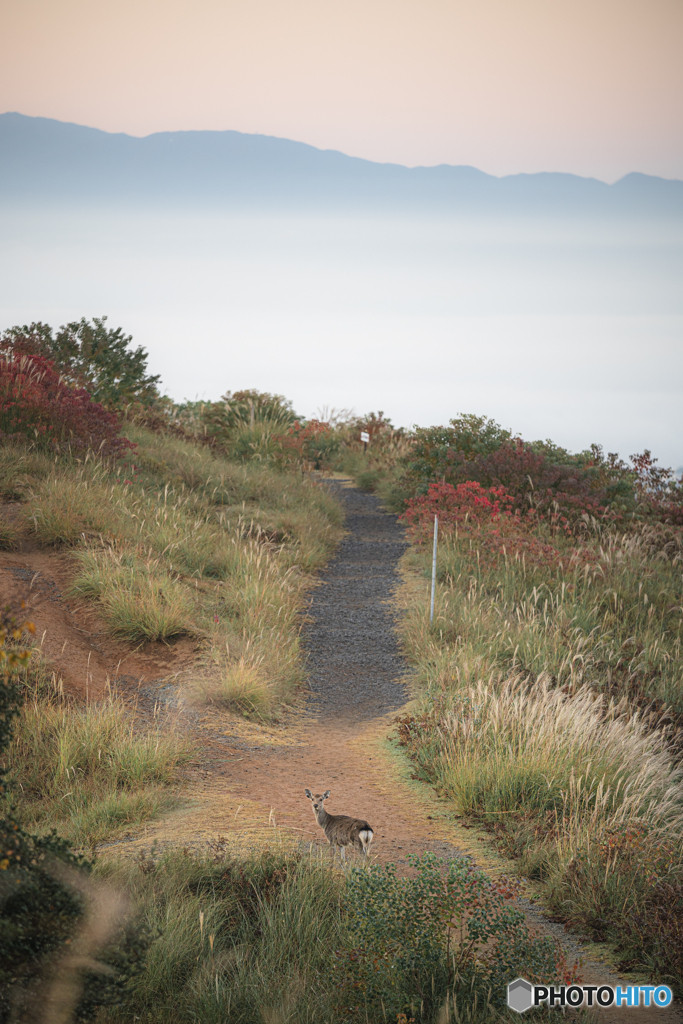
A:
326,794
308,794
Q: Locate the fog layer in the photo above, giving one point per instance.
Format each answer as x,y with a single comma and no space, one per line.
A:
570,329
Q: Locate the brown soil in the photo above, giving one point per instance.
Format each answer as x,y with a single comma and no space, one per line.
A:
246,789
72,639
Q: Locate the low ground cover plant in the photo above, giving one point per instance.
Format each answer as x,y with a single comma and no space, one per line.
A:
444,941
282,936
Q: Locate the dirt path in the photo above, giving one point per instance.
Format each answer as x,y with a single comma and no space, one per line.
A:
247,787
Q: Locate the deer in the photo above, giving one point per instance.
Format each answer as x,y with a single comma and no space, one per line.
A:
341,830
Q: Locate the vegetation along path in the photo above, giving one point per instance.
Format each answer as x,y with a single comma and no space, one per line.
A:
246,787
249,788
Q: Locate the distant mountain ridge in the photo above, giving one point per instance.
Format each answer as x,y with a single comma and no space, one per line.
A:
44,160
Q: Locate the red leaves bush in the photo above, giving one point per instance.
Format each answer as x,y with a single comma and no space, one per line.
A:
531,480
659,493
488,518
35,403
469,502
562,488
315,443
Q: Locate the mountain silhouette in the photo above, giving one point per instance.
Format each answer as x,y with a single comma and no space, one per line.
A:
44,160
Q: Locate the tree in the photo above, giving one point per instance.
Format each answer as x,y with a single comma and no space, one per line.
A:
91,356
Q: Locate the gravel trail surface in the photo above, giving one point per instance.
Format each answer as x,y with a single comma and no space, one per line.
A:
354,662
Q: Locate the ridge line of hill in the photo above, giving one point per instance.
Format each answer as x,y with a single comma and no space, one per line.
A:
42,158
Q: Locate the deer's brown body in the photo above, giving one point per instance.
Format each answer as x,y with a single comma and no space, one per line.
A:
341,830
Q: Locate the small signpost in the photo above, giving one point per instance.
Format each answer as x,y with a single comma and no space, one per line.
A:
365,438
436,536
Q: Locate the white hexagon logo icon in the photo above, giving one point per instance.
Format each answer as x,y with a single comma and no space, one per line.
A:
520,995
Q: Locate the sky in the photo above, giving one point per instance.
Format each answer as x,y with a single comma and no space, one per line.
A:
592,87
569,330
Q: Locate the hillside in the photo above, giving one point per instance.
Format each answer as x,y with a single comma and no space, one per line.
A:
50,161
210,640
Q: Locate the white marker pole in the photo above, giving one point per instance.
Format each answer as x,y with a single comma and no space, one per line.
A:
436,537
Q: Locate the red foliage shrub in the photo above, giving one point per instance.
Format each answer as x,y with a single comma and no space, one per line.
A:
563,493
659,493
487,517
467,502
314,442
36,403
562,487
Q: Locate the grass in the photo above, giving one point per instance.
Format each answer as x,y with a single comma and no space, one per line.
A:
281,936
613,620
20,468
9,536
239,688
510,747
90,771
138,600
550,692
248,940
178,540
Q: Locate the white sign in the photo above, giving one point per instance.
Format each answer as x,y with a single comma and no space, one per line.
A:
364,436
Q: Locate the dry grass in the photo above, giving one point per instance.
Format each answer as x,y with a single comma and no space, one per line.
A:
239,687
537,749
90,771
614,623
9,536
549,701
177,540
21,466
138,600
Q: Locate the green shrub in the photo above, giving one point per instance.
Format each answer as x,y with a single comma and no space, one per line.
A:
448,935
247,418
368,479
65,942
91,356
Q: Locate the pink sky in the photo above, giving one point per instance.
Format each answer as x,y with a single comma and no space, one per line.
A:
594,87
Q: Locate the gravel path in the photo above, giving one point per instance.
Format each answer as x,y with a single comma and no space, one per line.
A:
354,662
